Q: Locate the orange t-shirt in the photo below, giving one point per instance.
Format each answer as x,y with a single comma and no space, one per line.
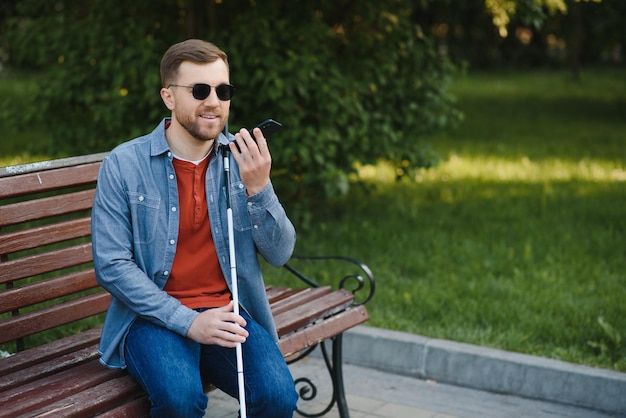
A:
196,278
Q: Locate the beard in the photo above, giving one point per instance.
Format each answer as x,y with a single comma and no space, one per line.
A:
196,130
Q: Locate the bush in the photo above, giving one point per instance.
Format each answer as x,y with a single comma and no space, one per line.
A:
350,84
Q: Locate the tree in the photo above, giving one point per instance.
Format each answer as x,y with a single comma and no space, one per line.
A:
526,33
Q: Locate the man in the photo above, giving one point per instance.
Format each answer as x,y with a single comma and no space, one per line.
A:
160,246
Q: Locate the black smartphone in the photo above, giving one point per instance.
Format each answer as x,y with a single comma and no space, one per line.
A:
268,127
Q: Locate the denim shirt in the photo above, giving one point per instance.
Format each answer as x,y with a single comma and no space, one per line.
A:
134,228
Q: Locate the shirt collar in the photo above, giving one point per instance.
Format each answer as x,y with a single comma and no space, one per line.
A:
160,146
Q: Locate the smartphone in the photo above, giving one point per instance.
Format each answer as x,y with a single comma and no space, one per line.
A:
268,127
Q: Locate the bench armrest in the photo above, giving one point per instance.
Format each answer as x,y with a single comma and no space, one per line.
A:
360,283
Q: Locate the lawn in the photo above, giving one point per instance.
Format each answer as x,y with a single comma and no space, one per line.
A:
517,240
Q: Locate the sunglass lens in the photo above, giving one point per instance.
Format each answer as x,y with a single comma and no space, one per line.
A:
224,92
201,91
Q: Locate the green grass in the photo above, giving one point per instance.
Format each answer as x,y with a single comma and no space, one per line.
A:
517,240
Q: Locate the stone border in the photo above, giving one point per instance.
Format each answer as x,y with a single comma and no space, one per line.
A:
486,369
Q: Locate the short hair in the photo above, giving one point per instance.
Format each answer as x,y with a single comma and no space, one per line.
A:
194,50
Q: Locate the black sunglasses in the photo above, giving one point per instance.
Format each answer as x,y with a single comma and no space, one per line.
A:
201,91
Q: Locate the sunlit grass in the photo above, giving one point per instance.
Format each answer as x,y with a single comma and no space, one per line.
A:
497,169
7,160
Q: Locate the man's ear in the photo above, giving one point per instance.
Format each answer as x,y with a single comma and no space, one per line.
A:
168,98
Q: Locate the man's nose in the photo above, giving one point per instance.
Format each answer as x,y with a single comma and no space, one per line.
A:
211,100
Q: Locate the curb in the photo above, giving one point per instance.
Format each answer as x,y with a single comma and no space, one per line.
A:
486,369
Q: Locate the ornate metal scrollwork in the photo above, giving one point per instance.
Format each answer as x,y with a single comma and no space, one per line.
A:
361,284
308,390
356,281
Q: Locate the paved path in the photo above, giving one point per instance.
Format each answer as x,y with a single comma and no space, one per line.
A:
390,374
376,394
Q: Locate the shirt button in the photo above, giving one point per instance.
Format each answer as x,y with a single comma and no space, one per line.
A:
165,273
256,227
140,198
169,154
241,186
171,177
172,241
173,208
249,203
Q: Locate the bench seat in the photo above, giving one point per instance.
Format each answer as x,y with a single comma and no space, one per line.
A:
65,377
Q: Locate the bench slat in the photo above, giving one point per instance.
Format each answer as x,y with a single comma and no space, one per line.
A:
299,298
311,311
42,291
79,160
91,401
45,207
49,389
48,368
50,350
43,235
315,334
29,323
137,408
274,294
17,400
45,262
42,181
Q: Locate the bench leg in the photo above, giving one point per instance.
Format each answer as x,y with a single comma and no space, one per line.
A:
337,373
334,365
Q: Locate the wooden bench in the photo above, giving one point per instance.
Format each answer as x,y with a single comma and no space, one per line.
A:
51,307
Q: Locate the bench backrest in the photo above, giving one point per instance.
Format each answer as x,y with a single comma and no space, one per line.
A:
46,273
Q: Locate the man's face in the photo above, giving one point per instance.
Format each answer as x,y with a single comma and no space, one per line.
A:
202,119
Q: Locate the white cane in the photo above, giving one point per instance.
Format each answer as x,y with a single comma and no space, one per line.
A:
233,279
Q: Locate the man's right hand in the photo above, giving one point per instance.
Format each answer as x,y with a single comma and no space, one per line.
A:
218,326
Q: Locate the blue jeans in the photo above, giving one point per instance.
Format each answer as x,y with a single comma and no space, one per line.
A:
172,369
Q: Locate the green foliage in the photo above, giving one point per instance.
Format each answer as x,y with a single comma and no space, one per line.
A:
350,84
97,90
527,33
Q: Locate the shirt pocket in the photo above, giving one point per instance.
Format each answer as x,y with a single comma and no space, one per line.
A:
241,219
144,212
